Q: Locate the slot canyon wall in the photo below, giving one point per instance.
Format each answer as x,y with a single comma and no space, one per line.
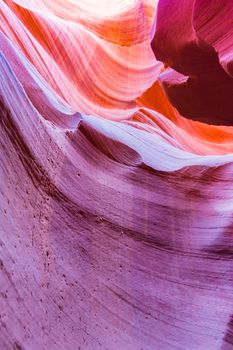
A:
116,168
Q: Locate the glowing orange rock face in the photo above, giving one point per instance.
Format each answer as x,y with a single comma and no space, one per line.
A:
96,68
116,171
98,59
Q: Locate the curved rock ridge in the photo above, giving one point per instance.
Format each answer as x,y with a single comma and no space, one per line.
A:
115,209
113,21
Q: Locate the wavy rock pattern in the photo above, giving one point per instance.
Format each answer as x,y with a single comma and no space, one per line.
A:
116,210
